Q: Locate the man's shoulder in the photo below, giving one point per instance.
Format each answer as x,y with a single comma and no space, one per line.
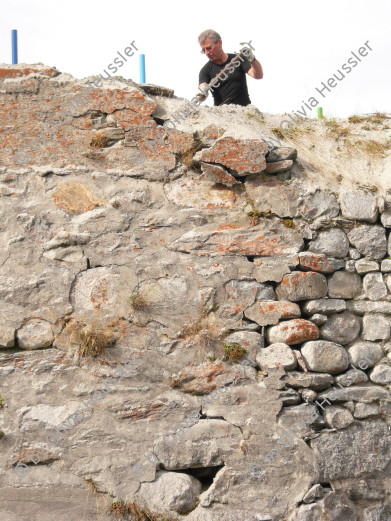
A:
206,67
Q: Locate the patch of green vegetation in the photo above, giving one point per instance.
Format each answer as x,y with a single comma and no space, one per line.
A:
234,351
211,358
288,223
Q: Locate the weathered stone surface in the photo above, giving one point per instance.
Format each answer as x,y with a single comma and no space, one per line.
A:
251,341
370,240
366,266
366,410
234,154
76,198
293,331
338,417
388,282
339,457
271,195
333,243
350,266
354,376
302,286
342,328
357,394
325,306
376,327
35,334
325,357
318,319
314,492
344,285
360,307
377,513
210,133
217,175
289,397
315,381
278,166
274,268
268,238
358,205
281,154
169,493
386,266
374,286
276,355
339,508
21,69
366,353
319,204
319,262
381,374
270,312
354,254
386,214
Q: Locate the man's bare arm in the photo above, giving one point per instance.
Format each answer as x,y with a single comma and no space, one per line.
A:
256,71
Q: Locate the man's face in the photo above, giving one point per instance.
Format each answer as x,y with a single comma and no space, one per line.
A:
212,50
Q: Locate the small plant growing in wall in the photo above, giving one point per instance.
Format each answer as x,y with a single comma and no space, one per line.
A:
92,339
234,351
138,301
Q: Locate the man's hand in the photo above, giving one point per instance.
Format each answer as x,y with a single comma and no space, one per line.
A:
247,52
200,95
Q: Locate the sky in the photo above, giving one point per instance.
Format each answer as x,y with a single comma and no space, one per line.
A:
299,45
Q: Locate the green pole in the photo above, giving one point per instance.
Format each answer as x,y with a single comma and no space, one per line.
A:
320,113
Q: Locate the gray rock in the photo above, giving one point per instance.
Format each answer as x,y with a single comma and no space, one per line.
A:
332,507
354,254
314,492
333,243
276,355
388,282
361,307
386,266
318,319
376,327
325,357
344,285
325,306
35,334
358,205
386,214
289,397
379,513
366,410
319,204
308,395
342,328
281,154
300,285
270,312
381,374
339,458
354,376
374,286
338,417
366,266
356,394
293,332
370,240
251,341
319,262
270,194
365,354
350,266
273,268
315,381
169,492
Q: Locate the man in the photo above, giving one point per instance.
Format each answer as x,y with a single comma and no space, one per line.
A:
226,73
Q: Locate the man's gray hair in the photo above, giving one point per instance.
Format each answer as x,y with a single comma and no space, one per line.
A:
209,33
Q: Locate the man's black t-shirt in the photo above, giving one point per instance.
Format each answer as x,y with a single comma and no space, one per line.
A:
233,87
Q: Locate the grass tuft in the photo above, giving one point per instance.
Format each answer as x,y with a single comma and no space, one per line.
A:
99,141
92,338
234,351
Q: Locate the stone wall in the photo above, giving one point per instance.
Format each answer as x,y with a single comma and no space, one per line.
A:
192,259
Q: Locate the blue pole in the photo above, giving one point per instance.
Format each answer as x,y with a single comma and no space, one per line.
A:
14,40
142,68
